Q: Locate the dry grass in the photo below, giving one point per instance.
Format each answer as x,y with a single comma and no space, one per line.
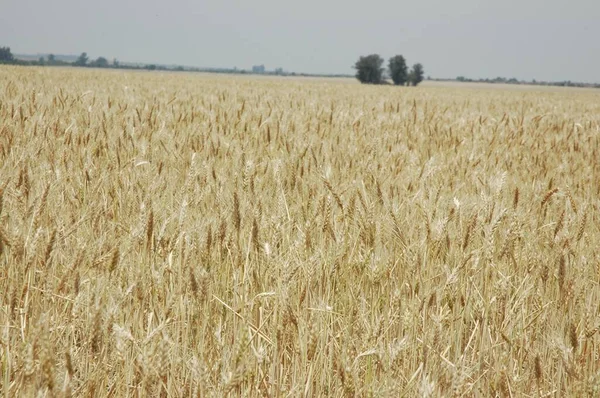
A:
178,235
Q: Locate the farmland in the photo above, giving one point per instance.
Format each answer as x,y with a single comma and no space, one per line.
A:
187,234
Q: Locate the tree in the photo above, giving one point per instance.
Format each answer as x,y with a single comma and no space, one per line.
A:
369,69
42,61
51,59
82,60
398,70
101,62
416,74
6,55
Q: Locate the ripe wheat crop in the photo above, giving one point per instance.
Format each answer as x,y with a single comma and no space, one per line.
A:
193,235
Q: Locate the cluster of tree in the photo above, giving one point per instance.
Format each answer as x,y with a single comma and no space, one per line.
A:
6,56
52,60
568,83
370,70
99,62
513,80
102,62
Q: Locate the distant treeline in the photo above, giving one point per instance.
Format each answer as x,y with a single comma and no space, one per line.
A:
7,58
503,80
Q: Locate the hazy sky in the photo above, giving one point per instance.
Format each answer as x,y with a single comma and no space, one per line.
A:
526,39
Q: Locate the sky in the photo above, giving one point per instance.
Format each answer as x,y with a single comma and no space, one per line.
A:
551,40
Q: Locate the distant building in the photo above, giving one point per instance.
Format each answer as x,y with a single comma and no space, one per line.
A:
258,69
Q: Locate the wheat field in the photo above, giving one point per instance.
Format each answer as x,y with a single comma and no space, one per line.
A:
182,235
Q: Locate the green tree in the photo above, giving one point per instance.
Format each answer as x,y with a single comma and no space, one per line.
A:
42,61
6,55
51,59
369,69
82,60
398,70
416,75
101,62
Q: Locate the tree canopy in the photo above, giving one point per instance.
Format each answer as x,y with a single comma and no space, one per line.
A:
398,70
369,69
82,60
6,55
101,62
416,74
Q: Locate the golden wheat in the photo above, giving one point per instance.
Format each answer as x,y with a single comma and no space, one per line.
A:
187,234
